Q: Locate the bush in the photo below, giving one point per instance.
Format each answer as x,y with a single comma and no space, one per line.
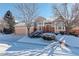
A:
48,37
7,31
62,33
73,33
0,31
36,34
76,35
56,33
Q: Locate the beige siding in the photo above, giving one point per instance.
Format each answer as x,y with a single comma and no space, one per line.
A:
22,30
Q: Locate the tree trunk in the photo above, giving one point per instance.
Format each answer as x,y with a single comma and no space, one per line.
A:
28,32
67,30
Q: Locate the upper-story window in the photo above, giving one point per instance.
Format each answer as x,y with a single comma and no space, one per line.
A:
60,25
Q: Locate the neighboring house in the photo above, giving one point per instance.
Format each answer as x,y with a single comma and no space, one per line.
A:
75,26
75,30
59,24
1,25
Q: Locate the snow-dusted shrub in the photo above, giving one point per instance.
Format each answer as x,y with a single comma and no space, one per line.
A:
62,33
73,33
37,34
7,31
56,33
46,36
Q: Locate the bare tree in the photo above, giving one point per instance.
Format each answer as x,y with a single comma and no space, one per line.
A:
29,12
69,12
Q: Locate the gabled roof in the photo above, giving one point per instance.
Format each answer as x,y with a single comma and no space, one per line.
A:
40,19
75,28
60,19
20,24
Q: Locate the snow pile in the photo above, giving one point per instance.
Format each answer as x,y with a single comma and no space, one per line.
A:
4,47
72,43
70,40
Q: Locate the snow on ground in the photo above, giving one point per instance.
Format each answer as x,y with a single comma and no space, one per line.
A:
16,46
10,37
52,49
72,43
35,41
4,47
71,40
12,40
20,43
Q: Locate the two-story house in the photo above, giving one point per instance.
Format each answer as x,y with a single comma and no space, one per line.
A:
57,25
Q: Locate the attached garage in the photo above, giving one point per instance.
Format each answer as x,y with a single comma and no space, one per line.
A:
20,29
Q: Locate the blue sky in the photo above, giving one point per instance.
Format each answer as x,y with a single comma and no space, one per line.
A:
44,9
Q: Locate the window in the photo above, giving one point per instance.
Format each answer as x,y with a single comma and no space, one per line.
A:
62,27
59,27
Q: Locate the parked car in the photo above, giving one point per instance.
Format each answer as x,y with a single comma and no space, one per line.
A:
36,34
49,36
56,33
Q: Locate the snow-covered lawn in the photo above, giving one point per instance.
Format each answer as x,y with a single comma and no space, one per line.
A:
23,45
70,40
72,43
10,37
13,40
35,41
52,49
